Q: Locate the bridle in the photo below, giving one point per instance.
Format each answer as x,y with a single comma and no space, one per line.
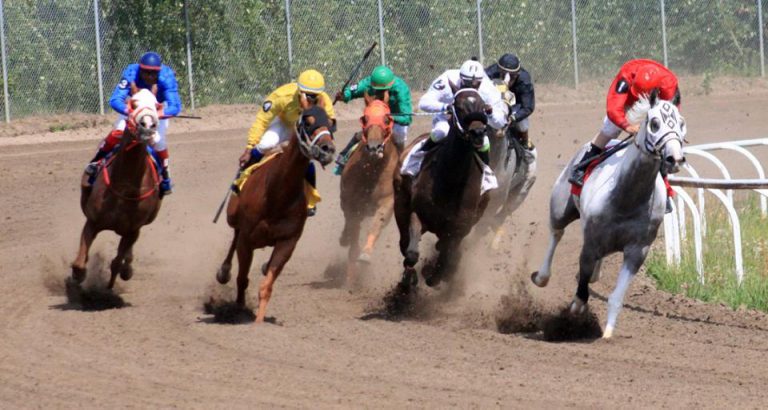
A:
380,117
308,143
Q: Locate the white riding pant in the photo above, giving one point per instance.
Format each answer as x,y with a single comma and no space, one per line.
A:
400,134
276,133
158,142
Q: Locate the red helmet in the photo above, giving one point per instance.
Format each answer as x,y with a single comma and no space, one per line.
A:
646,79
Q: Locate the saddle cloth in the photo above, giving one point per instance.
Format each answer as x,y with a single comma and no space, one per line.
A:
312,194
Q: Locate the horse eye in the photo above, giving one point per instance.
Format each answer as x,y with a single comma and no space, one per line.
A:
654,125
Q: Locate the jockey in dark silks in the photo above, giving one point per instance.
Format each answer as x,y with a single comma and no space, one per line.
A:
150,71
518,95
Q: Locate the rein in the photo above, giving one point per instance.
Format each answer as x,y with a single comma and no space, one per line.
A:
108,182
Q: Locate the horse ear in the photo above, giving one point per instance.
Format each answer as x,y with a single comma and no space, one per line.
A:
386,97
154,89
367,98
654,96
388,119
454,87
303,102
363,121
134,89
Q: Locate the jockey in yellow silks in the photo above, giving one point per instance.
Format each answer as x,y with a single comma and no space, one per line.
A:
276,120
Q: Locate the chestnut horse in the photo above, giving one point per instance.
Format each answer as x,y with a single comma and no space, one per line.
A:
366,183
271,208
444,198
125,194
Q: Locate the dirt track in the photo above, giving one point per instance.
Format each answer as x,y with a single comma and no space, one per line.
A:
328,349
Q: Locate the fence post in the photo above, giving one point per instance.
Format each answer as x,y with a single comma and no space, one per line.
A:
288,29
5,65
761,31
480,30
381,34
664,32
189,58
575,51
98,55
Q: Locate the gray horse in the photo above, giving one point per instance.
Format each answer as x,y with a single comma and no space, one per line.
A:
621,204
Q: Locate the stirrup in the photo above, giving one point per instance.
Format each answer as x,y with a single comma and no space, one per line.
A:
577,178
312,211
91,168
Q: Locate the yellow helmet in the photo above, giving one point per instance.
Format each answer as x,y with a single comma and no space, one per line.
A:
311,81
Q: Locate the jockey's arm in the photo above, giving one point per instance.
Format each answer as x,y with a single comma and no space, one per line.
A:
170,89
525,101
123,90
401,113
271,108
616,101
437,97
357,90
327,104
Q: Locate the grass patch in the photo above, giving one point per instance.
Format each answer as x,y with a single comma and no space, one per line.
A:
720,283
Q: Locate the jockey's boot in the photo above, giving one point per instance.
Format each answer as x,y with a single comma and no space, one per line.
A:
105,147
522,136
166,188
580,167
343,156
669,205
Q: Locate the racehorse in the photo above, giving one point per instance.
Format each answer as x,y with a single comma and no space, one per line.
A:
366,183
125,194
271,208
621,204
445,197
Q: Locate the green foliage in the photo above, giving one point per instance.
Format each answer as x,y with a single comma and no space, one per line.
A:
720,283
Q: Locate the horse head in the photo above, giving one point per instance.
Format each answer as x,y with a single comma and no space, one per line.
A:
468,112
377,124
662,131
143,113
314,135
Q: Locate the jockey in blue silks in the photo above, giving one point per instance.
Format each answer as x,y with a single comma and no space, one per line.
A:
148,72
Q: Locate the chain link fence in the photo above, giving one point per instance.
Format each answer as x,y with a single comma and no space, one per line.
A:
67,55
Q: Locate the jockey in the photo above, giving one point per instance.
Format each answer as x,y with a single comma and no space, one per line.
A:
635,78
520,86
148,72
439,98
380,80
276,121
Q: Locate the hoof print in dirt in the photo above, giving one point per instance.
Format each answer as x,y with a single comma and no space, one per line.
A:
566,326
229,312
92,298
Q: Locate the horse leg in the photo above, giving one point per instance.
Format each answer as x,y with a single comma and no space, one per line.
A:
541,277
380,219
86,239
224,273
126,242
280,255
587,262
447,260
633,259
244,259
596,274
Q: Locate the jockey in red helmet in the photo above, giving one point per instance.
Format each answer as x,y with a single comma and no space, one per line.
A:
635,78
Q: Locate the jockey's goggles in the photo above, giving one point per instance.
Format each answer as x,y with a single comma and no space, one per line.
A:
470,82
312,98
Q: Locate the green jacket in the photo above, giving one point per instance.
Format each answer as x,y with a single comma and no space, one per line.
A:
399,98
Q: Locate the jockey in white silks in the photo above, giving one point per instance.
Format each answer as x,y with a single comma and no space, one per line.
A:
439,98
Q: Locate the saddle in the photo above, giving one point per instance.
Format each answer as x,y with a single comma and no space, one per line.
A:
612,148
103,163
312,194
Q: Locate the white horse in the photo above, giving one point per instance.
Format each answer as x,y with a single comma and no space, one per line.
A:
621,204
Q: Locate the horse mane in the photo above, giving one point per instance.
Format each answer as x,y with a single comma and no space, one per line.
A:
639,110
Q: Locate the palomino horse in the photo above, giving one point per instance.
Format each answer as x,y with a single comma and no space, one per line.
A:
445,197
621,204
366,183
125,195
271,208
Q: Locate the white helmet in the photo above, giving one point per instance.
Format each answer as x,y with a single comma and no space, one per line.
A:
471,73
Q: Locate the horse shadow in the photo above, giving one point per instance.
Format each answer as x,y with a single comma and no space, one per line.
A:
230,313
92,296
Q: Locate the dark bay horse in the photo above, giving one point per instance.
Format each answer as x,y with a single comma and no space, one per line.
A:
125,195
621,204
444,198
271,208
366,183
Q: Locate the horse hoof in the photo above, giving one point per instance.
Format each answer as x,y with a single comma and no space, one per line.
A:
411,258
78,274
608,333
126,272
364,258
540,282
223,275
578,307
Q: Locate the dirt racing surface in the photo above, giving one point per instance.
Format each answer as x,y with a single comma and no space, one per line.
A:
467,345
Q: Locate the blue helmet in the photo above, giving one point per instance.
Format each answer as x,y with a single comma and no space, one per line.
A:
151,61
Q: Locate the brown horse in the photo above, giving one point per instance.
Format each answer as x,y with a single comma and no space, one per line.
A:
366,183
444,198
271,208
125,194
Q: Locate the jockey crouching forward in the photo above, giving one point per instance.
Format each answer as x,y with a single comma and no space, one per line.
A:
439,97
276,120
148,72
635,78
381,79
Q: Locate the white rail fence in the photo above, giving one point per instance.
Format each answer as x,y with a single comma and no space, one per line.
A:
675,230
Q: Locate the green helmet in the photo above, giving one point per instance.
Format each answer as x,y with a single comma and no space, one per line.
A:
382,78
